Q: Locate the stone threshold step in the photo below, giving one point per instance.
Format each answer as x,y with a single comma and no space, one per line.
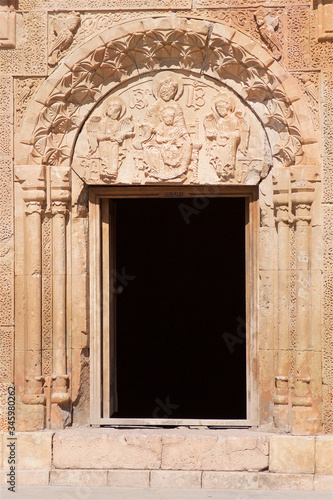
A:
67,493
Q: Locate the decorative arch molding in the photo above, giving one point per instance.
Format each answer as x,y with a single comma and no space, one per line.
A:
67,97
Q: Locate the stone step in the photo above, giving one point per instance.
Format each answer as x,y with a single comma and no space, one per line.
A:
167,458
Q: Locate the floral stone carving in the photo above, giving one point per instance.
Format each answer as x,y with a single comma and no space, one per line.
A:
160,44
172,127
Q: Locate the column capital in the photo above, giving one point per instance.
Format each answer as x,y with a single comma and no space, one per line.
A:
58,189
302,199
32,180
59,207
33,394
33,207
303,184
281,195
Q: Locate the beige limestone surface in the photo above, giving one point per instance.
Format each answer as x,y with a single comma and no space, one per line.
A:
301,449
171,95
63,462
324,455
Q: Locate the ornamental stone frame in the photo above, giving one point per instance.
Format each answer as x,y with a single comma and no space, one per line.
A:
52,225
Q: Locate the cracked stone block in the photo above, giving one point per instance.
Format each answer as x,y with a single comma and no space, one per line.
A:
109,449
225,452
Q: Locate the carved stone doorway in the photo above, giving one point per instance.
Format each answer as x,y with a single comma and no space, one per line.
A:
174,291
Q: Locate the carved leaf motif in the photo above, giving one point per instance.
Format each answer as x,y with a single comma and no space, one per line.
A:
286,149
119,52
50,149
96,65
155,49
66,88
257,90
87,90
57,120
56,155
162,47
275,121
165,44
64,121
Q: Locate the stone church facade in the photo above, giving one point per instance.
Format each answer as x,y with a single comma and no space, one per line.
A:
165,99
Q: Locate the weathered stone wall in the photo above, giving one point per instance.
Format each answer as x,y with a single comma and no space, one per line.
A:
28,57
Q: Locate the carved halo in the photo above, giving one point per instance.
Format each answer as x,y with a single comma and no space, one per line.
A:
119,101
164,76
222,96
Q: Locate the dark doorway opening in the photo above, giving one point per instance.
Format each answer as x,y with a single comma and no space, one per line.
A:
180,308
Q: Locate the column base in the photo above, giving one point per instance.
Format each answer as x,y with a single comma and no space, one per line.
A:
33,399
304,422
61,417
282,417
60,393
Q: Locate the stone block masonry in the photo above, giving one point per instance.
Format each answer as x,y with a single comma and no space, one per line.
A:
190,459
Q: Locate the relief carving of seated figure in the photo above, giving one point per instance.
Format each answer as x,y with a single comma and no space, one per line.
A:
106,136
168,154
226,132
166,143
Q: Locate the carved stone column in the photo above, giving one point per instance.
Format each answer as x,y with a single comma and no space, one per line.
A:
33,188
59,198
281,200
304,419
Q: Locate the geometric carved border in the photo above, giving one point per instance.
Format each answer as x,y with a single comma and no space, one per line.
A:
66,98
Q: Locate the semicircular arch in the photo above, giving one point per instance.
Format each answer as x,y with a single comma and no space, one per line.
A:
67,97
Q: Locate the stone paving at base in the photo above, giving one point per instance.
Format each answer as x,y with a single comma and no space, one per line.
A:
85,493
